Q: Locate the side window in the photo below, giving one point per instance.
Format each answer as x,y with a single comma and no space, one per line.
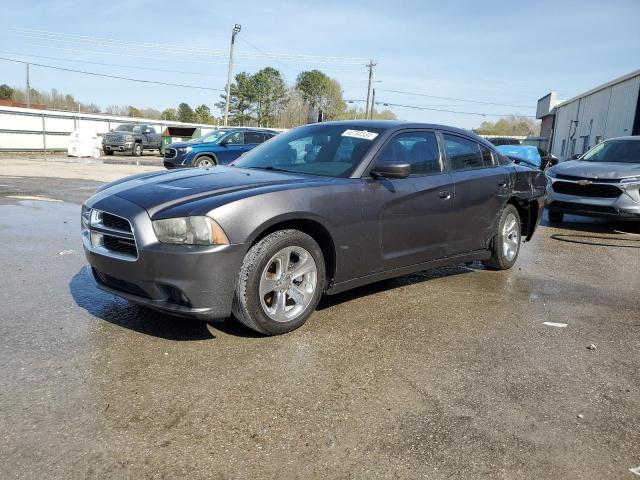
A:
463,154
487,156
236,138
418,149
253,137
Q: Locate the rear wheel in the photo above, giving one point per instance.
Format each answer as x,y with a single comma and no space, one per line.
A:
556,217
109,152
507,240
204,162
280,283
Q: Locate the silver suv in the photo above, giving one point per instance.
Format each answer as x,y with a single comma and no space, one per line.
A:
604,182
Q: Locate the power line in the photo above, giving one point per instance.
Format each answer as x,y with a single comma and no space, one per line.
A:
241,37
181,60
112,64
112,76
418,107
480,102
177,49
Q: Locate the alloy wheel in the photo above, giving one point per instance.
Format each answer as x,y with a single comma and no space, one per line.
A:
288,283
510,237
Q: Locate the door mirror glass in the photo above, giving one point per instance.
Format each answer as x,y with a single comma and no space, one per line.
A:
392,170
576,156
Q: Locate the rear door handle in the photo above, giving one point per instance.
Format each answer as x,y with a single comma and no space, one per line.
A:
444,195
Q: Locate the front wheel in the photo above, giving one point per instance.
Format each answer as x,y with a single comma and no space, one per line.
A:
204,162
280,283
507,240
137,150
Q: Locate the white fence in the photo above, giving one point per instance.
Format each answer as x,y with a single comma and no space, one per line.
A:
28,129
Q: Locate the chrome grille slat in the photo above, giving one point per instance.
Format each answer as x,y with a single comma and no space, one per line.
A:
117,241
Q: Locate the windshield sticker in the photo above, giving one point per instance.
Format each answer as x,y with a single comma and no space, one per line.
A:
363,134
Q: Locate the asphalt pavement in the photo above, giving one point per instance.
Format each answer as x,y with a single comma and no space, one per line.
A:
437,375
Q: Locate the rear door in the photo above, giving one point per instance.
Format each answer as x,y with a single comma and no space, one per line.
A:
412,213
252,139
481,188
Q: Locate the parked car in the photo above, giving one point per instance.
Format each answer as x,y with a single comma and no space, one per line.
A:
604,182
524,154
497,141
219,147
319,209
132,138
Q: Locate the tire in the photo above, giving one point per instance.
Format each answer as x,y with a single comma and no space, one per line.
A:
556,217
109,152
507,240
262,283
204,161
136,151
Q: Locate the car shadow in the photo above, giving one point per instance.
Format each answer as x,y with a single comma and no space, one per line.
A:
122,313
593,225
329,301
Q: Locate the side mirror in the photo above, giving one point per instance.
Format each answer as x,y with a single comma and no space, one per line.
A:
576,156
224,143
391,170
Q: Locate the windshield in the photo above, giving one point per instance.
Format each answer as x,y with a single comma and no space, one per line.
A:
327,150
125,128
622,151
209,137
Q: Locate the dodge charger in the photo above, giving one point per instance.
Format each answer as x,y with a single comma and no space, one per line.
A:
317,210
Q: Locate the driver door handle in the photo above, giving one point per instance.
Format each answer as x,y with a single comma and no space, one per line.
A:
444,195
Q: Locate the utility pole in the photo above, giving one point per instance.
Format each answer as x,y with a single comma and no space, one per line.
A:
234,32
373,104
370,65
28,89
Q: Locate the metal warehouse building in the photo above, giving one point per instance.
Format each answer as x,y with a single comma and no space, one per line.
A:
575,125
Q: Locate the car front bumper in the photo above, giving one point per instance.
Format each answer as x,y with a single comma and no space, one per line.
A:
118,147
193,281
625,206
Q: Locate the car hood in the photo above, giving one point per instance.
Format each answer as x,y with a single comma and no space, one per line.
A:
597,170
159,191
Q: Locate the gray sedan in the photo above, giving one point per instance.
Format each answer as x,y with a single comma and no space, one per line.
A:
604,182
319,209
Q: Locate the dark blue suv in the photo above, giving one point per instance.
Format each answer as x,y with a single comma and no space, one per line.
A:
219,147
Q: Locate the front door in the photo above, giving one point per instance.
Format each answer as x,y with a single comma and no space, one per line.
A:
481,188
413,212
232,147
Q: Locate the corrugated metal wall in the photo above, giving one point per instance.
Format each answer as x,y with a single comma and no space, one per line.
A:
23,129
604,114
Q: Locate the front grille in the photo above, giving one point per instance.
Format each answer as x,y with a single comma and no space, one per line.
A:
575,179
593,190
114,139
120,285
120,245
113,221
578,207
170,153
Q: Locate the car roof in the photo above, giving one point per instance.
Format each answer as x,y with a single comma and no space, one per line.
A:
401,124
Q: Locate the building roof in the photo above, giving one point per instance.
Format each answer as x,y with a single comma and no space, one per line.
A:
601,87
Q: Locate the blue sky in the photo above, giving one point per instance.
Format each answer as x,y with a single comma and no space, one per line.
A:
492,51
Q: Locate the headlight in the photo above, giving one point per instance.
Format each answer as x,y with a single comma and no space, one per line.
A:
626,181
190,231
185,149
85,217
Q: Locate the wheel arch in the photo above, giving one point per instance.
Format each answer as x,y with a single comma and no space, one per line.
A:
211,155
312,227
529,211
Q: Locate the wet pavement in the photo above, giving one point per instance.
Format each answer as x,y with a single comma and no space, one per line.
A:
440,375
